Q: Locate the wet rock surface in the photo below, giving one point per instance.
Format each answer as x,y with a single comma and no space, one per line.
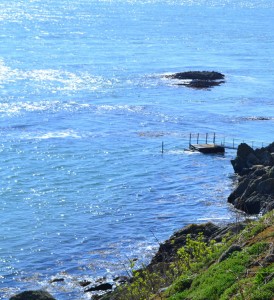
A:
254,192
198,79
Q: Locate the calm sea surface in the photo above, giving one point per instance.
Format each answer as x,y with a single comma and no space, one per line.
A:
83,114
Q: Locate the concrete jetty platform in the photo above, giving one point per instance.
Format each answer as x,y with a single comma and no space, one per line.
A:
207,148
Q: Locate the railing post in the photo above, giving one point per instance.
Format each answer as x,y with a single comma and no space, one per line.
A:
206,137
214,138
198,138
189,139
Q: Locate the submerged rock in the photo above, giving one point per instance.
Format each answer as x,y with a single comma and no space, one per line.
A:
198,79
33,295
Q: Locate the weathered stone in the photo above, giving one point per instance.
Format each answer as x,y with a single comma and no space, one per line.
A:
270,147
266,187
244,158
251,205
258,170
269,206
33,295
265,158
244,151
239,190
255,190
252,160
271,173
238,164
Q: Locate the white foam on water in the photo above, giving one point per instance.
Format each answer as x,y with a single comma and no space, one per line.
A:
52,79
57,134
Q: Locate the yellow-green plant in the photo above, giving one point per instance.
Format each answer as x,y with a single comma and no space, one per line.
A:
195,251
146,283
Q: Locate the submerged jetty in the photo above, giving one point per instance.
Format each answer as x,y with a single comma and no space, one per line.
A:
197,79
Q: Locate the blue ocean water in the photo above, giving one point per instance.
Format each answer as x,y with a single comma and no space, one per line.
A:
84,110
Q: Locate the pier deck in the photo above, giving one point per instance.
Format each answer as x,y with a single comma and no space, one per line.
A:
207,148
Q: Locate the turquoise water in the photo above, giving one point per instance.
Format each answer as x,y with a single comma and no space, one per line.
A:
83,114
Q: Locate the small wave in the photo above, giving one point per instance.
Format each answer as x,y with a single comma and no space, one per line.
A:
30,135
56,134
56,80
218,3
15,108
256,118
155,134
128,108
11,108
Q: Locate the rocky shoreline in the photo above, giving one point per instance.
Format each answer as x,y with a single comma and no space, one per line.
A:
253,194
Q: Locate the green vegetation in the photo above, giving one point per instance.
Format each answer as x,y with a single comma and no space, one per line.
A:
210,270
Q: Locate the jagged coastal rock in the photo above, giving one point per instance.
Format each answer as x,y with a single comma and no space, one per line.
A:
198,79
168,250
254,193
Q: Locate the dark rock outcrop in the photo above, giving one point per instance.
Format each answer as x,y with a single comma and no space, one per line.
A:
84,283
167,252
198,79
57,280
198,75
101,287
255,190
33,295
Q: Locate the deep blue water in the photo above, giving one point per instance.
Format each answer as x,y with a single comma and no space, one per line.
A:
83,114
